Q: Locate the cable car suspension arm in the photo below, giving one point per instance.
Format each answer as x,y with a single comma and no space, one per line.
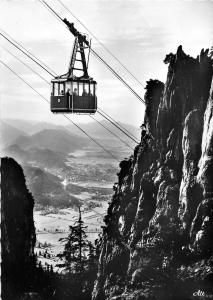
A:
83,39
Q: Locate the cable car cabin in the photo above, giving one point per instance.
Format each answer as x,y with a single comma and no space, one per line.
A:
75,91
73,96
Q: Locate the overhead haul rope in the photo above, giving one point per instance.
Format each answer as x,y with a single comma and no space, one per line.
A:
27,53
34,59
25,65
110,52
91,138
116,75
96,54
114,121
112,132
117,127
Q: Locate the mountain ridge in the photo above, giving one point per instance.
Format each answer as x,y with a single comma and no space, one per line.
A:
54,139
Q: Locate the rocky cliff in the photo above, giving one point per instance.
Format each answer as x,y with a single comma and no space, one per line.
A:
158,238
17,230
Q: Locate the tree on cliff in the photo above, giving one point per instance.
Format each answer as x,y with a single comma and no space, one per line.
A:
170,58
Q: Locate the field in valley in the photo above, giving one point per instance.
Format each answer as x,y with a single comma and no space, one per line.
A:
53,226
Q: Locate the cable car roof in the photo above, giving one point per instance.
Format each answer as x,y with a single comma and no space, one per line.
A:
80,80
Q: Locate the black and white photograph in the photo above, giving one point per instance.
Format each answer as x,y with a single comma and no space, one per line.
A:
106,142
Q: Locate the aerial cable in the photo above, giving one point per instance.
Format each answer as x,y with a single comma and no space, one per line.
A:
97,143
18,47
23,80
98,56
118,127
49,84
110,52
91,138
26,54
112,133
26,65
51,10
117,75
27,51
114,121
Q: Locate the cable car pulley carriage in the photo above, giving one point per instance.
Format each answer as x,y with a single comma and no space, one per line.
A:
71,93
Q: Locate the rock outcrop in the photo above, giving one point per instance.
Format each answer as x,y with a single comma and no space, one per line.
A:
17,230
158,238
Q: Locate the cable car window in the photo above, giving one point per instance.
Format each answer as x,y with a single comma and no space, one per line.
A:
61,89
55,89
91,93
75,89
86,89
68,87
80,88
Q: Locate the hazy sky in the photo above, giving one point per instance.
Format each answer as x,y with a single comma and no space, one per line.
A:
140,33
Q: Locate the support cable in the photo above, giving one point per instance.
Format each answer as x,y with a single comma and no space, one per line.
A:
27,51
118,127
117,75
114,121
26,54
112,132
25,65
51,10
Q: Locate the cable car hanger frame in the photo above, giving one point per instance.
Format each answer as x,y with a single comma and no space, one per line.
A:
71,93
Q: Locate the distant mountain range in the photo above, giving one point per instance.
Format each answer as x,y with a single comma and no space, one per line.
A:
54,139
8,133
48,144
29,127
98,130
93,128
44,158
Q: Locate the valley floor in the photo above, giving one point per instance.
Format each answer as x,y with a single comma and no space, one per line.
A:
52,226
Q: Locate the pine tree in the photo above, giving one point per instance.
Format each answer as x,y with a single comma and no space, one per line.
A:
80,260
76,247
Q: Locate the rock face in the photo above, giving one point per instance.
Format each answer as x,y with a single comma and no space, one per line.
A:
18,231
158,238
